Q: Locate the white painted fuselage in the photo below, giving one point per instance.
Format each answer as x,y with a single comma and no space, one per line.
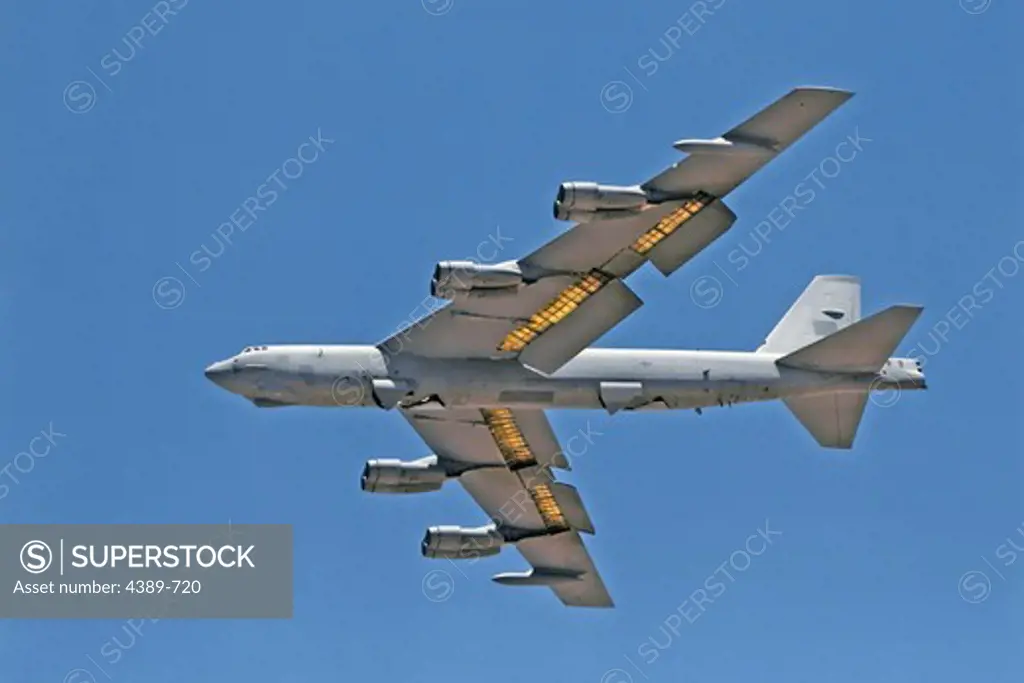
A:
612,379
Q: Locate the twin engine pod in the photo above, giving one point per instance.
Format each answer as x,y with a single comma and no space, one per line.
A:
397,476
585,202
462,543
427,474
461,277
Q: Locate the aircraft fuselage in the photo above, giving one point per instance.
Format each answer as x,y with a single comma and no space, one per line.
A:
611,379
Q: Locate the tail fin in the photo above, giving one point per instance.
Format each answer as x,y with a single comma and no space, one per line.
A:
861,346
829,304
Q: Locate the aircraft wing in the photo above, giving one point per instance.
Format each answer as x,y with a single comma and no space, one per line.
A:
571,290
507,458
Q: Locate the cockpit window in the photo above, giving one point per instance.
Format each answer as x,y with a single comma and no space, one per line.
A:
250,349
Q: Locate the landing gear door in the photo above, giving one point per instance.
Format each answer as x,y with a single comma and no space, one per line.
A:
618,395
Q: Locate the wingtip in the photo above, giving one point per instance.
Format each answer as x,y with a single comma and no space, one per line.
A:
846,94
837,278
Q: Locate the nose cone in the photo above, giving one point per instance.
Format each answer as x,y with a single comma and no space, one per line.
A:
219,372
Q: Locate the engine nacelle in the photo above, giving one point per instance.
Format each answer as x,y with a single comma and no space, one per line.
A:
461,543
587,201
452,277
396,476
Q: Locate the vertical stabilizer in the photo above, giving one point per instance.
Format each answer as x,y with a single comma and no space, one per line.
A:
829,304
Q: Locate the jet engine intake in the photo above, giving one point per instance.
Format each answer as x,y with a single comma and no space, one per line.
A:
461,543
587,201
397,476
453,277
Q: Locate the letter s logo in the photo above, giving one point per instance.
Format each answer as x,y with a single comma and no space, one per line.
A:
36,557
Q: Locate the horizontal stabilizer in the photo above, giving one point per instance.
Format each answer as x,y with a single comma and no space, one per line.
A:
864,346
832,419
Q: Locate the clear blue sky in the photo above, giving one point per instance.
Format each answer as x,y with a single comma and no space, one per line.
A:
449,121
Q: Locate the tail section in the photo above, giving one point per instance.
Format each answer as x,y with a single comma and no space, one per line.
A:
823,332
829,304
864,346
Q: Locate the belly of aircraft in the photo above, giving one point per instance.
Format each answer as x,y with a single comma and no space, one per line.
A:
605,394
482,384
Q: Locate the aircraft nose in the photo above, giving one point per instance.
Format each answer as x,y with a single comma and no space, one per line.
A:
219,372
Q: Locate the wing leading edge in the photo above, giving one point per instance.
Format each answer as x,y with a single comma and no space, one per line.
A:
506,461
